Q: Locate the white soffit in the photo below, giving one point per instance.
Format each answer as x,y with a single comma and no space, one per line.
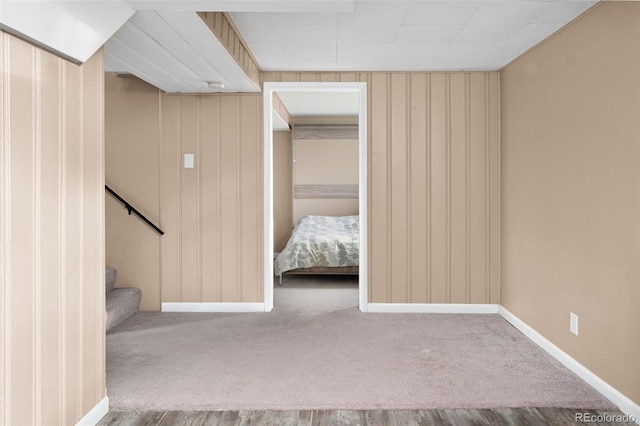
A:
320,104
405,35
72,29
176,52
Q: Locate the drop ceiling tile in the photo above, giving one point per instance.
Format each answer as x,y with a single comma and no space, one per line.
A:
278,19
404,55
427,35
269,55
362,57
468,50
440,12
498,12
303,48
309,64
338,103
375,14
301,104
497,21
310,33
563,12
354,35
256,27
533,34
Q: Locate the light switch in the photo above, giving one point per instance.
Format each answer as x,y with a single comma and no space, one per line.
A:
188,161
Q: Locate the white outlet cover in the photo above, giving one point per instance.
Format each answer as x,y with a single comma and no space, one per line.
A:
573,323
189,161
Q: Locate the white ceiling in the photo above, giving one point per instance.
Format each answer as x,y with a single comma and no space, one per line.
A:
405,35
168,45
320,104
316,104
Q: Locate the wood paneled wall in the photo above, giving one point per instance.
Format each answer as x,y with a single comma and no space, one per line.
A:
282,189
280,108
132,158
433,184
433,190
223,27
212,214
52,369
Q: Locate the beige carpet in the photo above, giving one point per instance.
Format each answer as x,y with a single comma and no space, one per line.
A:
317,351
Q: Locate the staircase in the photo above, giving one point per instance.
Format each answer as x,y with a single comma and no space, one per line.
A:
122,302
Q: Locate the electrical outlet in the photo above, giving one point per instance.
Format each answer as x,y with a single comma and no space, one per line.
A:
573,323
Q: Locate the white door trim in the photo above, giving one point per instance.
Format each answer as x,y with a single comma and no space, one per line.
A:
356,87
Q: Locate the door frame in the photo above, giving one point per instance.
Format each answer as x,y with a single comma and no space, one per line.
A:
353,87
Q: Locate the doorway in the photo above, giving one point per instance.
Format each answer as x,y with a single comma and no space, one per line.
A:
269,89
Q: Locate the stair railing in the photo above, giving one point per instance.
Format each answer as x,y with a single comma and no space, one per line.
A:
132,209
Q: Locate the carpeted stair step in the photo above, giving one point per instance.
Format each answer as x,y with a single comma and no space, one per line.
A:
121,302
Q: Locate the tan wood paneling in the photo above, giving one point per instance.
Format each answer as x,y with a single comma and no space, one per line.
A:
225,30
53,235
189,201
399,186
210,202
439,190
132,170
213,212
433,190
230,200
433,184
251,188
170,202
419,170
379,191
282,185
281,109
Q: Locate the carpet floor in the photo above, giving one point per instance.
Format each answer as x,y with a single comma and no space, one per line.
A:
317,351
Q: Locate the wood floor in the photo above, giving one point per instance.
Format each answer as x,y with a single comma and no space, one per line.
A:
501,416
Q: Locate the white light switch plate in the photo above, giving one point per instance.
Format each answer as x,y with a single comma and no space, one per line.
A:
188,161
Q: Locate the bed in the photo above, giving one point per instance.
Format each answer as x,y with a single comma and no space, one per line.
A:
321,245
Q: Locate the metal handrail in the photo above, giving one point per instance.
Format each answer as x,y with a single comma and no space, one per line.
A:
132,209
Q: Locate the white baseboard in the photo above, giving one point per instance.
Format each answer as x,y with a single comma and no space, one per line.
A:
626,405
95,414
212,307
435,308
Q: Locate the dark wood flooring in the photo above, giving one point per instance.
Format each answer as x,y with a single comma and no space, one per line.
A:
499,416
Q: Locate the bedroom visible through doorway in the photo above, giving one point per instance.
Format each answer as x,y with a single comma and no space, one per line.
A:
326,199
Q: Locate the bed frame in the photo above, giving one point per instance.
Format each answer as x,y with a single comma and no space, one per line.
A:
323,270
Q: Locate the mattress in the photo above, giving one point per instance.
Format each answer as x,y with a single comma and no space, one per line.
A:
321,241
